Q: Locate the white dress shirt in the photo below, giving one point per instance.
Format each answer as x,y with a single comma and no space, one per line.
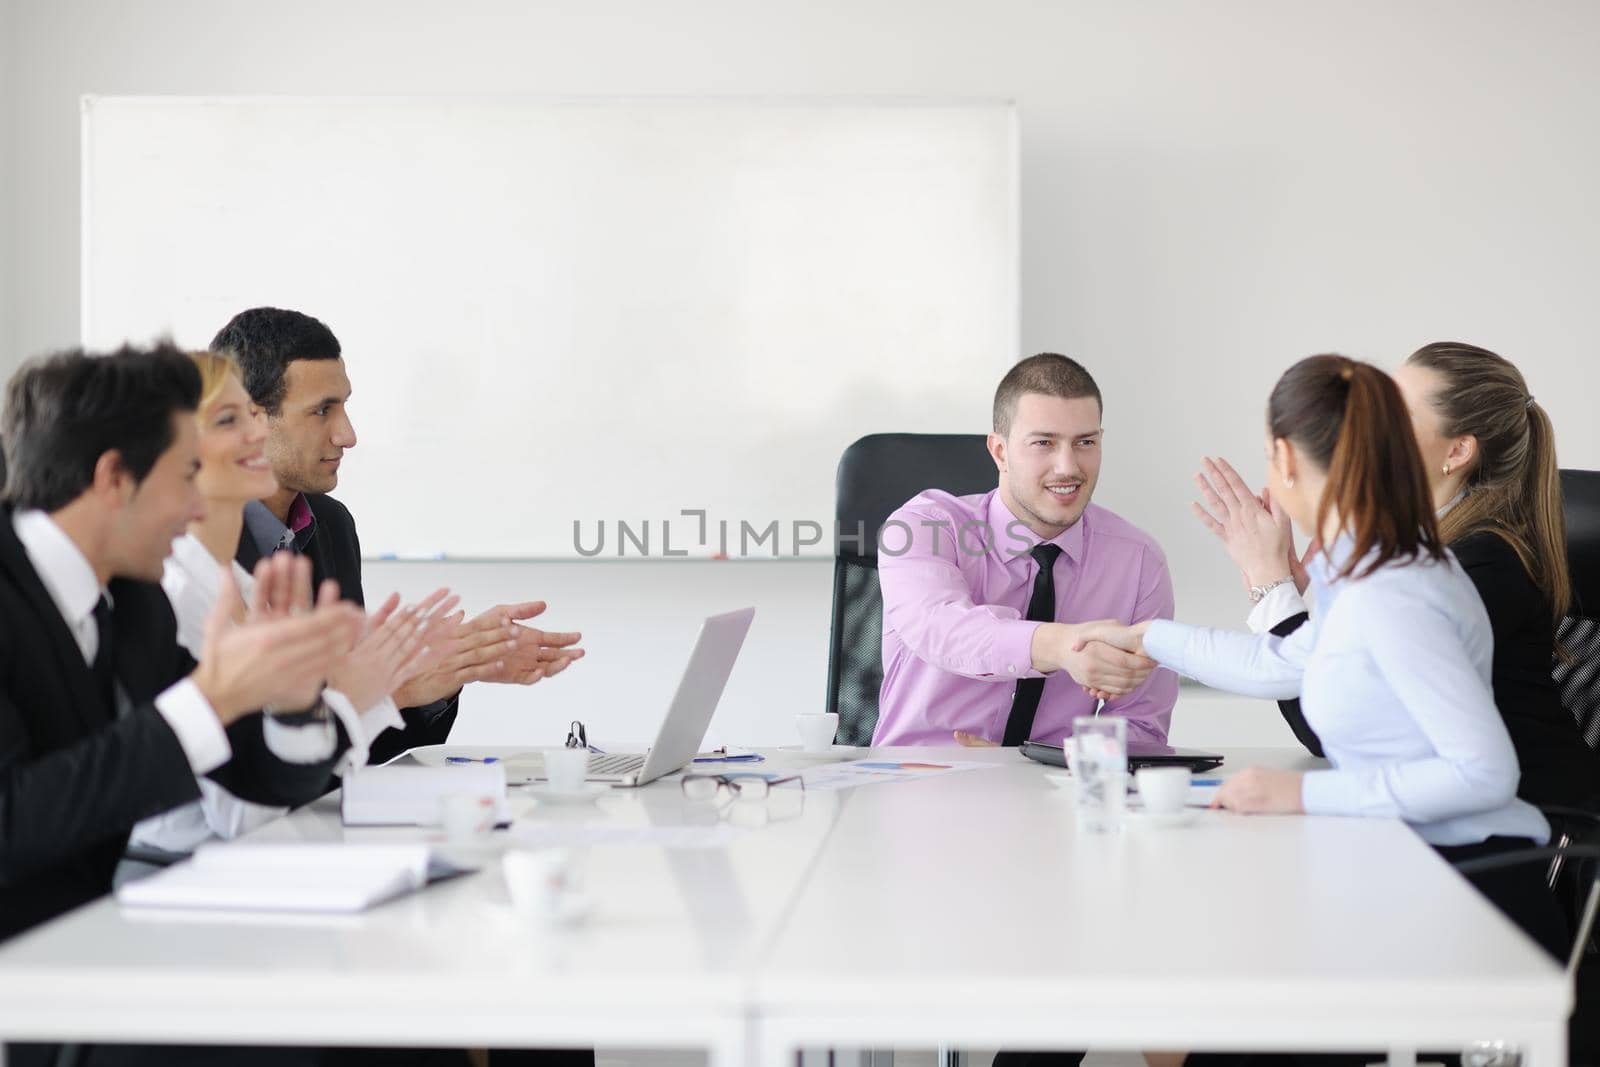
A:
193,582
1392,671
73,587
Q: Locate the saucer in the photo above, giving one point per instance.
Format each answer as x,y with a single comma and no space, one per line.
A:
590,792
832,752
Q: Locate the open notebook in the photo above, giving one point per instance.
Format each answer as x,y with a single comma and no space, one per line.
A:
322,877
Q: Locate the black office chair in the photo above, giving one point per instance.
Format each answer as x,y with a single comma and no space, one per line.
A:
1584,1040
1579,680
876,476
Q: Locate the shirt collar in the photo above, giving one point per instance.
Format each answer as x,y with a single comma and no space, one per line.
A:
269,534
1461,495
1012,537
61,565
299,514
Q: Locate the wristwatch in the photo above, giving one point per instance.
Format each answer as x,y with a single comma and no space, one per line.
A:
317,712
1259,592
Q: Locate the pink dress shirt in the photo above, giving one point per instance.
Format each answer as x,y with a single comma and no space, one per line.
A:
956,578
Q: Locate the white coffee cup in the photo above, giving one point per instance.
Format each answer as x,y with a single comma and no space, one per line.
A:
818,730
1164,790
466,815
544,883
566,768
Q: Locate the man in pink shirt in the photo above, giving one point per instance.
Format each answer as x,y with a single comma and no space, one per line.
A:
983,596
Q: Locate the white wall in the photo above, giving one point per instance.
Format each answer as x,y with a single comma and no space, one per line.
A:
10,107
639,619
1209,189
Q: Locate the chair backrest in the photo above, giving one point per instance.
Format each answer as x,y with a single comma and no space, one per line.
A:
1579,680
876,476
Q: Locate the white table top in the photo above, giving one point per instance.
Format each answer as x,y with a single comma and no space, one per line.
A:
958,908
1157,937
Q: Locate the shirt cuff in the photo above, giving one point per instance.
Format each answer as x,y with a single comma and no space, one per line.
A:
363,726
1013,649
200,734
310,742
1280,603
1328,793
1164,642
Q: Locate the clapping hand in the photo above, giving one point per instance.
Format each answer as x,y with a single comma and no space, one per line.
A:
536,653
281,651
1255,530
493,647
398,644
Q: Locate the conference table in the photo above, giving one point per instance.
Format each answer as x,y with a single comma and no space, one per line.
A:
964,909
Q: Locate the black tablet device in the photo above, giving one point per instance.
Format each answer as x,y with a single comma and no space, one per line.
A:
1140,754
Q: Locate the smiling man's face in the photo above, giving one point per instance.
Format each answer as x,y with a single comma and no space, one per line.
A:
1050,460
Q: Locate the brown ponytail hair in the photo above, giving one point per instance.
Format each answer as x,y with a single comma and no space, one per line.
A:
1348,418
1514,487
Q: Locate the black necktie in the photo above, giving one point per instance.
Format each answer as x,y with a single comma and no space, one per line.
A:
104,656
1041,608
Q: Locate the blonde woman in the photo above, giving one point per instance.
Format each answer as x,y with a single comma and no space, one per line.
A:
395,647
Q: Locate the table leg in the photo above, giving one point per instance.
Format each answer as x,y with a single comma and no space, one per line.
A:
1400,1056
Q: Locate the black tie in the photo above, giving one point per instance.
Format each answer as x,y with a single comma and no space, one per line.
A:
104,656
1041,608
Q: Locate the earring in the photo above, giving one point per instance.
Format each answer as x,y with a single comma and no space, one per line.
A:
1447,469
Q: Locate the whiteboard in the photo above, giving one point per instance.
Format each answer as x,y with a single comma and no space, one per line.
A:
562,313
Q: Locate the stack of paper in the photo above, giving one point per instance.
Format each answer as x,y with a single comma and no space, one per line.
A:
410,796
284,877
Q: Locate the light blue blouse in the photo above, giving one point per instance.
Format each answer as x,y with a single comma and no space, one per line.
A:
1392,672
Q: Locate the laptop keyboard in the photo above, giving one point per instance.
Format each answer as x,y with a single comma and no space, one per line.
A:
614,766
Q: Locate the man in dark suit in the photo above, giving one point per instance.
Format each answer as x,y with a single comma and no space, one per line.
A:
104,719
294,370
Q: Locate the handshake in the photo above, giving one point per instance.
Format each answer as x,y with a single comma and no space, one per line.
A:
1106,658
282,649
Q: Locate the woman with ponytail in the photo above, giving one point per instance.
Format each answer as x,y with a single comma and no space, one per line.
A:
1393,666
1489,452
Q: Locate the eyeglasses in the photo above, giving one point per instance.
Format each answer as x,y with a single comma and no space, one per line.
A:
725,787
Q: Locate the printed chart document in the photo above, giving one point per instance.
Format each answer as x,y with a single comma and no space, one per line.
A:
881,771
325,877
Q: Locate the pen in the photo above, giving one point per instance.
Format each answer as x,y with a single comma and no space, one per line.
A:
472,759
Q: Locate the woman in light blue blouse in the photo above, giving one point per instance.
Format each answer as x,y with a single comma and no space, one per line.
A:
1393,668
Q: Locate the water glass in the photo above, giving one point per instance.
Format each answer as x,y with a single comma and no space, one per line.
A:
1099,765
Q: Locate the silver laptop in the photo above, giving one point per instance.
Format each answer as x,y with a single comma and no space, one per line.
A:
689,714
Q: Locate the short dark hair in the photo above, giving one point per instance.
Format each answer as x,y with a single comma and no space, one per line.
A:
264,341
64,411
1049,373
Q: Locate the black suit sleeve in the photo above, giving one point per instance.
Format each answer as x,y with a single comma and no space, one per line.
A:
1508,595
57,806
335,551
255,774
1290,709
426,725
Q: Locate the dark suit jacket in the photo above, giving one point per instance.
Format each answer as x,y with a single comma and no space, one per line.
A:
1557,766
335,552
74,776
